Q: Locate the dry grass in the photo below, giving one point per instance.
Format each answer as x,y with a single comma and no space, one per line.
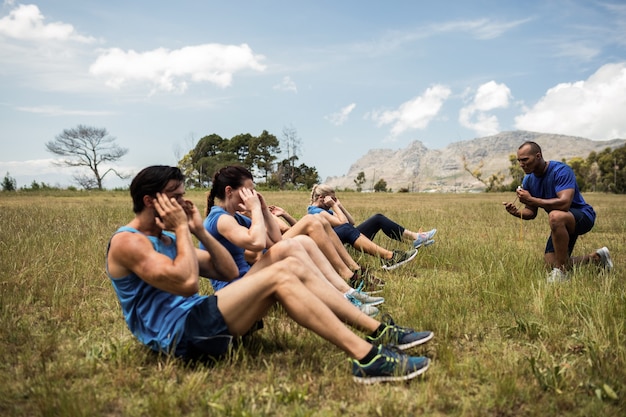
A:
506,344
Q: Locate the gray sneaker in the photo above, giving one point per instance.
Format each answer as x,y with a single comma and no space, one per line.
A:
366,298
368,309
605,258
399,258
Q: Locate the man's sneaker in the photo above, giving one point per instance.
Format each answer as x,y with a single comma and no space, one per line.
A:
368,309
424,239
366,298
363,280
399,258
605,258
389,365
557,275
402,337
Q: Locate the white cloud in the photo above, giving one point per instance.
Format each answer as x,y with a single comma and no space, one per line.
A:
480,28
414,114
59,111
287,84
170,70
592,108
489,96
341,116
26,22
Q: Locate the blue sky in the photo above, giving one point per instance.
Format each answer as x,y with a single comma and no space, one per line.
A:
347,76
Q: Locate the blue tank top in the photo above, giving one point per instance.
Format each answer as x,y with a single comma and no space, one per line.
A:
558,177
210,224
155,317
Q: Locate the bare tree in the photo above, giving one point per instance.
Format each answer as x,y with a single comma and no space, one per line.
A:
292,144
86,146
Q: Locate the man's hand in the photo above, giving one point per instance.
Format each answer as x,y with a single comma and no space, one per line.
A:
193,217
170,214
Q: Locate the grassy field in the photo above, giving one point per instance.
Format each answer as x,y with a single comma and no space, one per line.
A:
506,342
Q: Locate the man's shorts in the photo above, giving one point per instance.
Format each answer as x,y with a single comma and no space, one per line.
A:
347,233
583,225
206,334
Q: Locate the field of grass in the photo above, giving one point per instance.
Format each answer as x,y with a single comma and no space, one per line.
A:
506,342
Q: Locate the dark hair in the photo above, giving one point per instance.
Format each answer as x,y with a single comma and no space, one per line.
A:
233,175
534,147
152,180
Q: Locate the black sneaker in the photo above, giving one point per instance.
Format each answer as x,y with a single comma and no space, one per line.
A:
389,365
402,337
399,258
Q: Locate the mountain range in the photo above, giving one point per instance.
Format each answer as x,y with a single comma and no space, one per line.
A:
417,168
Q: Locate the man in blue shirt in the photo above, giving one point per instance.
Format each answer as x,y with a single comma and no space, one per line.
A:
551,185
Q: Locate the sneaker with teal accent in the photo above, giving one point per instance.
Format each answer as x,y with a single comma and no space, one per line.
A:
605,258
399,258
402,337
366,298
424,239
368,309
389,365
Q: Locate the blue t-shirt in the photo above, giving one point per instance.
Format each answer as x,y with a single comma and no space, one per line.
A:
558,177
210,224
155,317
316,210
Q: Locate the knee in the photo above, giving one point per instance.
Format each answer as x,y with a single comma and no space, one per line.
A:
557,219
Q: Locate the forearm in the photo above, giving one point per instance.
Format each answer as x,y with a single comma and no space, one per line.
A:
347,214
220,263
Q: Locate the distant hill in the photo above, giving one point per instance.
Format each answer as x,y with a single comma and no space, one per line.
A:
421,169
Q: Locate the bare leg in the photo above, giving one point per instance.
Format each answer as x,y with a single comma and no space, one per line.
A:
310,226
371,248
244,302
341,250
314,280
562,223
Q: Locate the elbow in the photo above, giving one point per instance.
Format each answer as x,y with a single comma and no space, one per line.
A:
189,289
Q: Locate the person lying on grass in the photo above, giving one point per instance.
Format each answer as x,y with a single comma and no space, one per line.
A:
154,269
248,237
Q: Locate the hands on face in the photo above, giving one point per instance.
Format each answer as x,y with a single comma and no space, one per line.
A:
170,213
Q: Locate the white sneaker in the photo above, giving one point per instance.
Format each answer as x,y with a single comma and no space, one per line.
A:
557,275
605,258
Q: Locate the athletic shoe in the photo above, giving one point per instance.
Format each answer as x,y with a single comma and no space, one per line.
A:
368,309
399,258
389,365
424,239
363,280
366,298
557,275
605,258
402,337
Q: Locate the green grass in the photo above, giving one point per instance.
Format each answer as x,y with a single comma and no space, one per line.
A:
506,343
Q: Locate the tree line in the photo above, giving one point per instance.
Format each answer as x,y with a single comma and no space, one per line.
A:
260,154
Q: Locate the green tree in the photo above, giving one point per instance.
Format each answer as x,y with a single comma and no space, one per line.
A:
380,186
359,181
9,183
264,150
90,147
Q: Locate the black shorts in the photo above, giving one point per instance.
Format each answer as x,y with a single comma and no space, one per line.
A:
347,233
206,333
583,225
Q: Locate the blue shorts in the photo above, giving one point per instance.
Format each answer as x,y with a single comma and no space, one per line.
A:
583,225
206,334
347,233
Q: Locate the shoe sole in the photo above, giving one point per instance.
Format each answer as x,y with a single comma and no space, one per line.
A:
416,342
423,245
399,264
376,379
